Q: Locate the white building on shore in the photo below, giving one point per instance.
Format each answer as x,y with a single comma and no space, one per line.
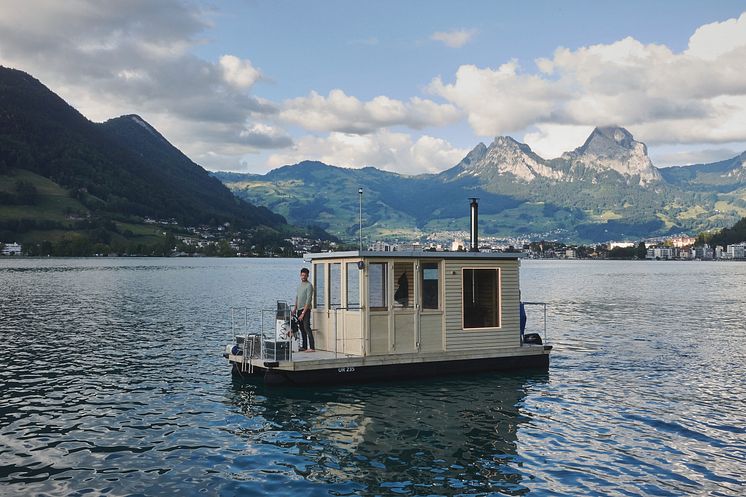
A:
737,251
661,253
12,249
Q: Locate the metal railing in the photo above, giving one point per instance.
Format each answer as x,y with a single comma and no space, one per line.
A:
544,305
264,332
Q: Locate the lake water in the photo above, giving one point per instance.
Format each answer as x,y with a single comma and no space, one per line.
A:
112,383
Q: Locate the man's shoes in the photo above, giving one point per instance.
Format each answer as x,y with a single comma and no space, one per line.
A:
311,350
302,349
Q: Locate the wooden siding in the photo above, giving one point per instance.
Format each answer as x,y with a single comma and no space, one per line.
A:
351,333
320,327
508,334
431,332
379,333
404,336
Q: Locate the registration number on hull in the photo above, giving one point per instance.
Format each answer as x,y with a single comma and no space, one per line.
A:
345,370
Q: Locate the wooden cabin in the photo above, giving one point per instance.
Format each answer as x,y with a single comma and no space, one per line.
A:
380,303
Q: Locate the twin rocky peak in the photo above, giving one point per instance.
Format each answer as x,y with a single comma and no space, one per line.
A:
606,149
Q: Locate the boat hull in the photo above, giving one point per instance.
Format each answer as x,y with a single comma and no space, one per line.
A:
398,372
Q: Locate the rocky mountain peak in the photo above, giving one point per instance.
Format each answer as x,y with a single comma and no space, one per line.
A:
505,156
476,154
609,137
614,148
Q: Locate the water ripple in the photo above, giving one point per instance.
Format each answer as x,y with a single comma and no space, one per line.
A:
112,384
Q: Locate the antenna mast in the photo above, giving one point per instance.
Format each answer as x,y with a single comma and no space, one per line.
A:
360,230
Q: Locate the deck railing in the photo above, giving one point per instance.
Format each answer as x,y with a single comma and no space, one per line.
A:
244,323
544,306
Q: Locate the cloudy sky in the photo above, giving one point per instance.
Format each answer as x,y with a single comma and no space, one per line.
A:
404,86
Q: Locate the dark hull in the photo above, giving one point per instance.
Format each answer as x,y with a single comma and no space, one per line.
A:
361,374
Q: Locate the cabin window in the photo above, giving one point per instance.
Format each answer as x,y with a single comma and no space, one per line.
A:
353,285
319,295
430,290
404,289
335,285
481,298
377,285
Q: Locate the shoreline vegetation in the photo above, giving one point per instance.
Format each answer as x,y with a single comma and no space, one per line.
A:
167,239
295,248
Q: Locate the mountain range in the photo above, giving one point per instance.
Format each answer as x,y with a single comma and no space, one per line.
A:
606,189
60,172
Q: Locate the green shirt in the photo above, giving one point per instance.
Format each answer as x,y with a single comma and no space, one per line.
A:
304,296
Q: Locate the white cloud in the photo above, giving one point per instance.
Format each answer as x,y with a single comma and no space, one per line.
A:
455,38
550,140
501,100
347,114
384,149
239,73
113,58
667,97
716,39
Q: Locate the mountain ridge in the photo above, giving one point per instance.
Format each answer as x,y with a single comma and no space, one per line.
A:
104,177
606,188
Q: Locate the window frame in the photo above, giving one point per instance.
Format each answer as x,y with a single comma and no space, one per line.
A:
316,292
330,304
352,268
384,286
498,303
411,268
439,281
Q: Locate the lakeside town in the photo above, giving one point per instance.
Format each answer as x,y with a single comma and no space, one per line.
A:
670,248
222,242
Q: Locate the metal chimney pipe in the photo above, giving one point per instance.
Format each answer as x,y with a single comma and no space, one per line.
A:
474,225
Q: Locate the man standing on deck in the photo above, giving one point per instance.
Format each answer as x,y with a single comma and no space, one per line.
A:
303,299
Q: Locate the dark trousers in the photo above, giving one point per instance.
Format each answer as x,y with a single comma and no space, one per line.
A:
305,331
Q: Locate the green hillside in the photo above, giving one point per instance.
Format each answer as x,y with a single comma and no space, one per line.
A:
63,177
593,207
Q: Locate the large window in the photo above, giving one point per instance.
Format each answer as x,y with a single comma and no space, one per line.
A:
353,285
335,285
430,290
377,285
319,293
481,291
403,284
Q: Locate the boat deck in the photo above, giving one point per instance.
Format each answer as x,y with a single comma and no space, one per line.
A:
319,355
321,359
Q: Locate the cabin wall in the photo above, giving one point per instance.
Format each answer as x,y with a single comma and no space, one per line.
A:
404,332
350,334
431,331
507,334
336,317
319,325
405,326
379,333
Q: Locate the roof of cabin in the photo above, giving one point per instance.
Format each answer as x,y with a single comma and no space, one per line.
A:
413,254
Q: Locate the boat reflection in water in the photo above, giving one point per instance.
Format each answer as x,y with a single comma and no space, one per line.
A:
446,436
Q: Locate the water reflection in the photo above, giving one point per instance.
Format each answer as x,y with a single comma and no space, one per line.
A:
445,436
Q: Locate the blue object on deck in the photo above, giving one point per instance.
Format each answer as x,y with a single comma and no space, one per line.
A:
522,310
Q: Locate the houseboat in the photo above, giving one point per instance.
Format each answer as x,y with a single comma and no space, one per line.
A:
397,315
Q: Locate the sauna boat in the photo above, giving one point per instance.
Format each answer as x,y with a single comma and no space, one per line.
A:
398,315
